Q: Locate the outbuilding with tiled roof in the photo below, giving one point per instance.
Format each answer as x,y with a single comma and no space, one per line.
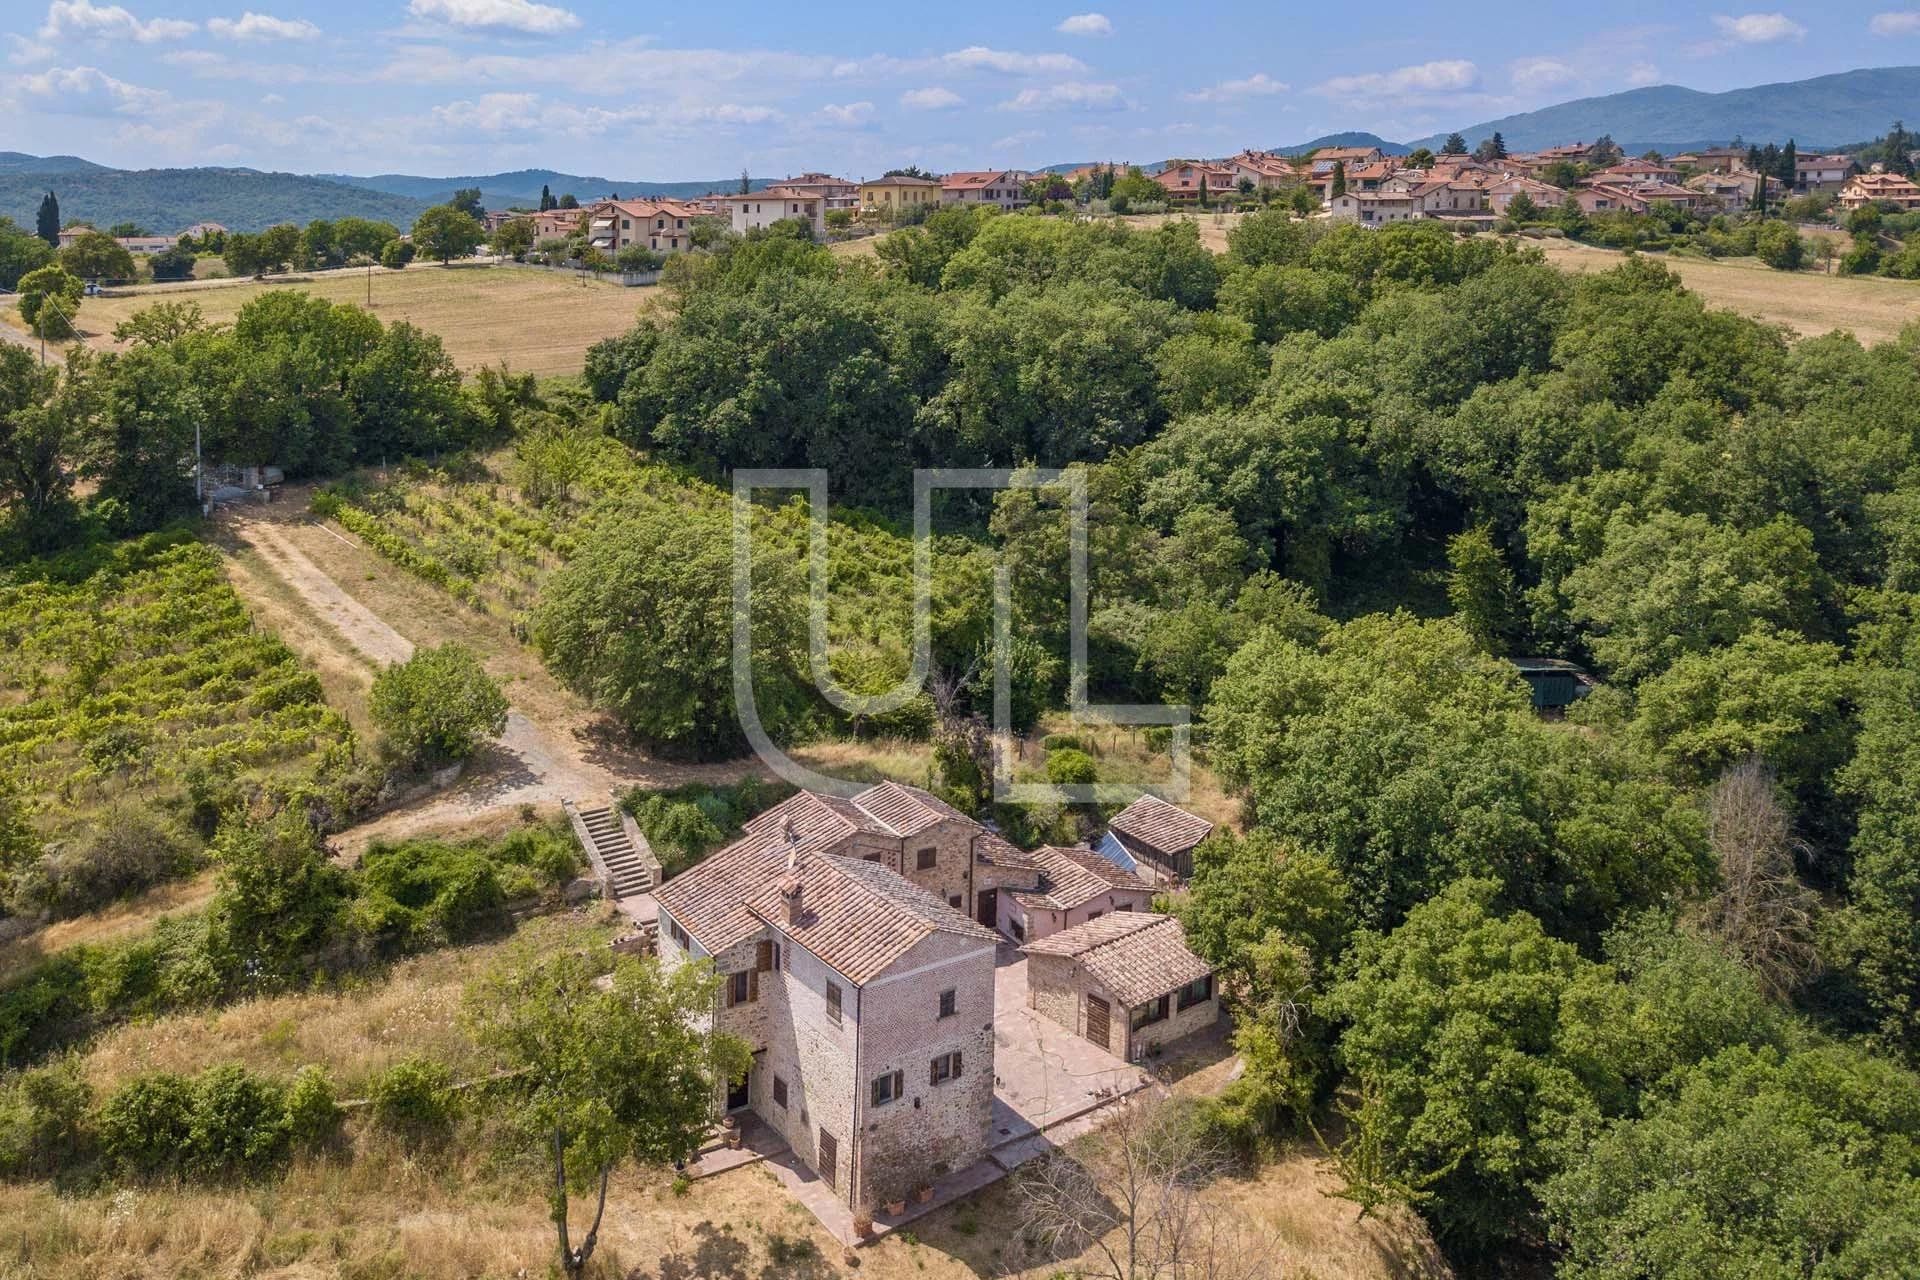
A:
1129,983
1154,839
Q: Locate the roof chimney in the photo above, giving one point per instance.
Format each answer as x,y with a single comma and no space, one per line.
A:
790,887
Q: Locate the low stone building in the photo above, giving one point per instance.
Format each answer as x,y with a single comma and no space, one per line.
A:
1126,982
868,1003
1154,840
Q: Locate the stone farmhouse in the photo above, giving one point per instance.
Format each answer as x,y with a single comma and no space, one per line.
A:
1126,982
867,1001
856,939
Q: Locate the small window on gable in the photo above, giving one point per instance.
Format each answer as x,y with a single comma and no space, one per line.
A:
926,858
779,1092
833,1003
948,1003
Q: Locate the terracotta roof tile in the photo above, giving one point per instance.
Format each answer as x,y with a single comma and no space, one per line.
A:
1161,826
1074,877
1137,955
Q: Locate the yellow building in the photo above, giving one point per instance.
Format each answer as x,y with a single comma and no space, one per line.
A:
898,194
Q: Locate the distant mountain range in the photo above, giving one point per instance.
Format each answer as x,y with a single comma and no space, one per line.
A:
1826,111
166,200
522,186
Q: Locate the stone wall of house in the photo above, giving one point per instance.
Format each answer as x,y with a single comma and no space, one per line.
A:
812,1056
1054,992
1180,1023
951,876
931,1129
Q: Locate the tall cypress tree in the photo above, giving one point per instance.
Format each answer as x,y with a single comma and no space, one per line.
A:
48,222
1339,187
546,197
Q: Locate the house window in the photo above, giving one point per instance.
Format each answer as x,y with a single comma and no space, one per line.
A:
1094,915
873,857
944,1068
779,1092
737,988
1149,1013
678,935
948,1002
887,1088
1019,928
626,225
953,900
833,1003
1199,991
925,859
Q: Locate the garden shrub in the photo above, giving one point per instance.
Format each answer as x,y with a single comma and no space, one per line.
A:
146,1126
414,1098
1071,767
239,1122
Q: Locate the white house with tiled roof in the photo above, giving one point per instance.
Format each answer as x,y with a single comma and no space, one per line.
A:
1126,982
866,999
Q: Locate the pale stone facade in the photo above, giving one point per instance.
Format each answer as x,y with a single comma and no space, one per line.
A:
1129,986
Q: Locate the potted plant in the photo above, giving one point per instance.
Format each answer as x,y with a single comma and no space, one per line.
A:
896,1207
730,1132
924,1192
863,1224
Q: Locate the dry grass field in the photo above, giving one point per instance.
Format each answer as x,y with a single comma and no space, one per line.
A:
1807,302
377,1210
536,321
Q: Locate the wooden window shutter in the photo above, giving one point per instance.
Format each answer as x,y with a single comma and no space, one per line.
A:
956,1064
753,986
763,957
933,1072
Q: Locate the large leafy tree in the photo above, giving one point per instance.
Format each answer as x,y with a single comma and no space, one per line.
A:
50,299
20,252
605,1071
1409,757
445,232
1755,1163
641,621
94,255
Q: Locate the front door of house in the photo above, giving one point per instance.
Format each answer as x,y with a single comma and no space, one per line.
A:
829,1158
987,907
1099,1021
740,1096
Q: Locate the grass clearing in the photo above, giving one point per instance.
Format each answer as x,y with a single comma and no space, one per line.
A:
536,321
1810,303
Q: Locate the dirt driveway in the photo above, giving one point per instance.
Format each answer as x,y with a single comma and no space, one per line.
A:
292,570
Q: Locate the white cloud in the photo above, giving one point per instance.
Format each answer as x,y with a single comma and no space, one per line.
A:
1895,24
489,113
1070,94
1085,24
979,57
497,15
933,98
1534,75
260,26
849,115
1447,76
87,91
1641,74
1257,85
1759,28
81,19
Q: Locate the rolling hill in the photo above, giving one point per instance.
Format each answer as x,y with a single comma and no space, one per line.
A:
165,200
1825,111
522,186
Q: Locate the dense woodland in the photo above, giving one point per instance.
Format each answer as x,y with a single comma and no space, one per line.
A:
1520,973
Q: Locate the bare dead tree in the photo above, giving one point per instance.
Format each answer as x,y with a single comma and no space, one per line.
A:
1130,1205
1762,913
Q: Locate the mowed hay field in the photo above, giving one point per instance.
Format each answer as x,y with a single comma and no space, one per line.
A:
1808,302
536,321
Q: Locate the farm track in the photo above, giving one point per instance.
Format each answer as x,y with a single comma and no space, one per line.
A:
534,762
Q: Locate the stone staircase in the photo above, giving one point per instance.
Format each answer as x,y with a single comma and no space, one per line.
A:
620,855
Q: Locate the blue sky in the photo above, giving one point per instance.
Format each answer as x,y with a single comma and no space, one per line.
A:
681,92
